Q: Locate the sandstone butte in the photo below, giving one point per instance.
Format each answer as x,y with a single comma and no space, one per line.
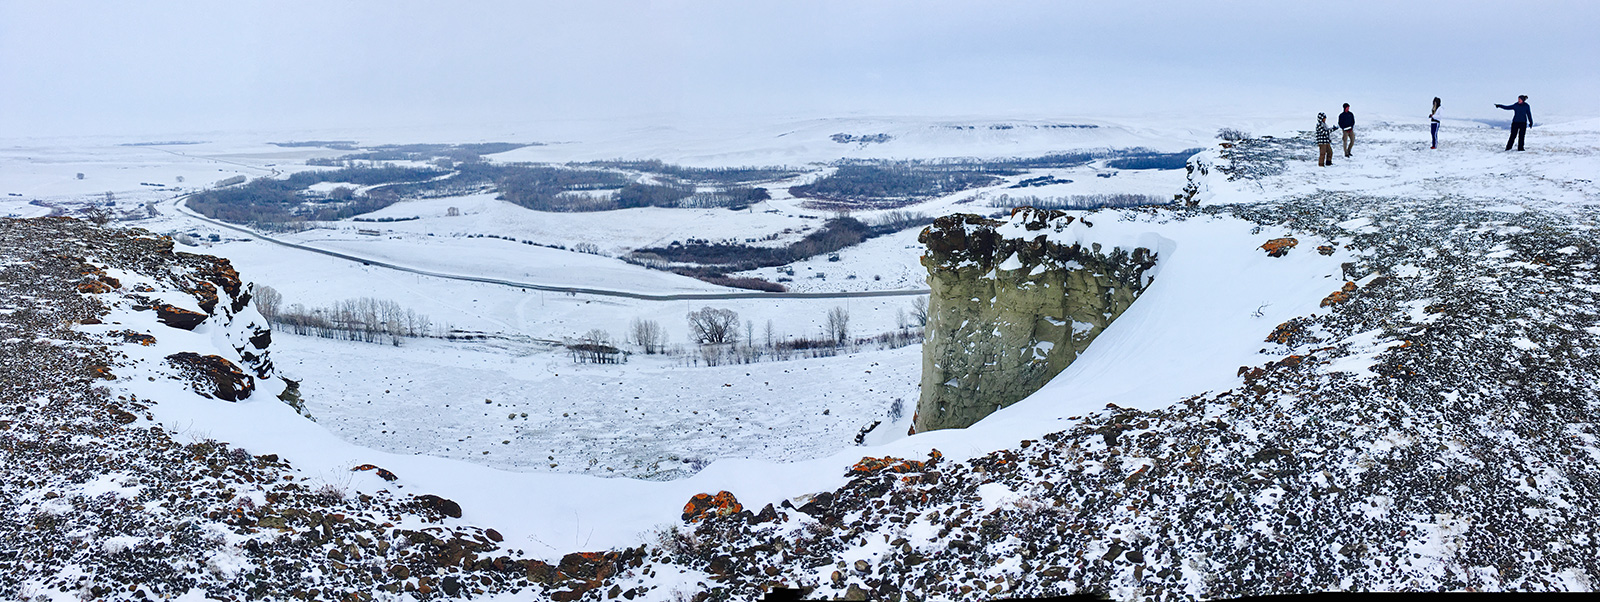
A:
1013,302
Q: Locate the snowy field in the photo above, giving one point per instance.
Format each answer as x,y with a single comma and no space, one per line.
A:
522,407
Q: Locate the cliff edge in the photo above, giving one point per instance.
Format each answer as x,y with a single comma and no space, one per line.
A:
1013,302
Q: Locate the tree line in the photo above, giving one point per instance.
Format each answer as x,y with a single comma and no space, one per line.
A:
364,319
720,337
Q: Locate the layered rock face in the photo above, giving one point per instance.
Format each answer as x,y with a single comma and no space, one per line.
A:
1013,303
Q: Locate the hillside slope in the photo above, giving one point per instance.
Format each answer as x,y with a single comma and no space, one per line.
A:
1432,428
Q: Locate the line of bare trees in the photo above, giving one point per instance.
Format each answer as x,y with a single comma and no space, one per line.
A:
364,319
720,337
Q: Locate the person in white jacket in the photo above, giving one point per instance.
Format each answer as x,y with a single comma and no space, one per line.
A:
1433,122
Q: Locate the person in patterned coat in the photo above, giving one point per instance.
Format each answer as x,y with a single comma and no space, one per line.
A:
1324,141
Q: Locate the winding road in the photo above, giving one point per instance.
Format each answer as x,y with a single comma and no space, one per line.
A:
178,203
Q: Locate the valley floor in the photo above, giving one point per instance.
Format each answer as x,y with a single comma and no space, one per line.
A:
530,408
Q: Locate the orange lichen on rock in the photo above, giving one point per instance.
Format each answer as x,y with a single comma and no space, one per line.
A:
1325,249
1284,332
206,294
214,375
704,505
134,336
178,317
93,287
1278,247
870,465
1339,296
382,474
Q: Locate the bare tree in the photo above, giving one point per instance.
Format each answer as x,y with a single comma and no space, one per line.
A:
649,336
595,348
838,328
268,301
97,215
919,311
713,326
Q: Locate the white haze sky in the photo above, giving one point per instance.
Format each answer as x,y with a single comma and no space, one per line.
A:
72,68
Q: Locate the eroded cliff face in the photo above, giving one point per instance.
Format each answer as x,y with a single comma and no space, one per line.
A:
1013,303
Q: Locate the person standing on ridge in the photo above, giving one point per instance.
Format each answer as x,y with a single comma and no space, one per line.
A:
1324,141
1347,123
1521,120
1433,122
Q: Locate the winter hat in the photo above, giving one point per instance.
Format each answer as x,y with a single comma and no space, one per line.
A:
1321,116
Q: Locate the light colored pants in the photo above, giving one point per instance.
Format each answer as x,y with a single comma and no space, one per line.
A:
1349,140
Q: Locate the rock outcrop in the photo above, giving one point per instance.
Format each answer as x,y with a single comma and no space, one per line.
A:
1013,303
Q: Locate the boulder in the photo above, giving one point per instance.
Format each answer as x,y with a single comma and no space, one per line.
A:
1278,247
704,505
440,505
178,317
213,376
206,294
587,565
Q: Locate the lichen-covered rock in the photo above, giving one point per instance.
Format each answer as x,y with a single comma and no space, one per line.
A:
214,375
1278,247
178,317
870,465
1013,302
704,505
1339,296
440,505
211,270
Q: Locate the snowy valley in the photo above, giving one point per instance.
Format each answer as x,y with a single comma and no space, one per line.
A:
1375,375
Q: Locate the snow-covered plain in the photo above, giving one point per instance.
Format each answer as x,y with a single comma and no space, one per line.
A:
1214,298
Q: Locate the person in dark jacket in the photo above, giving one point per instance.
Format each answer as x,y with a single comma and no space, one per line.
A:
1347,123
1433,122
1521,120
1324,136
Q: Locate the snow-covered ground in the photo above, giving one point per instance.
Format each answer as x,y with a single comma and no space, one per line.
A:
1214,299
525,408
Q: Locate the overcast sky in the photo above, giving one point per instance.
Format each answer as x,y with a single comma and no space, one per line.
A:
154,67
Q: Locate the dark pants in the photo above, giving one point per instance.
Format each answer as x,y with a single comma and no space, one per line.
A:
1519,130
1435,135
1324,154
